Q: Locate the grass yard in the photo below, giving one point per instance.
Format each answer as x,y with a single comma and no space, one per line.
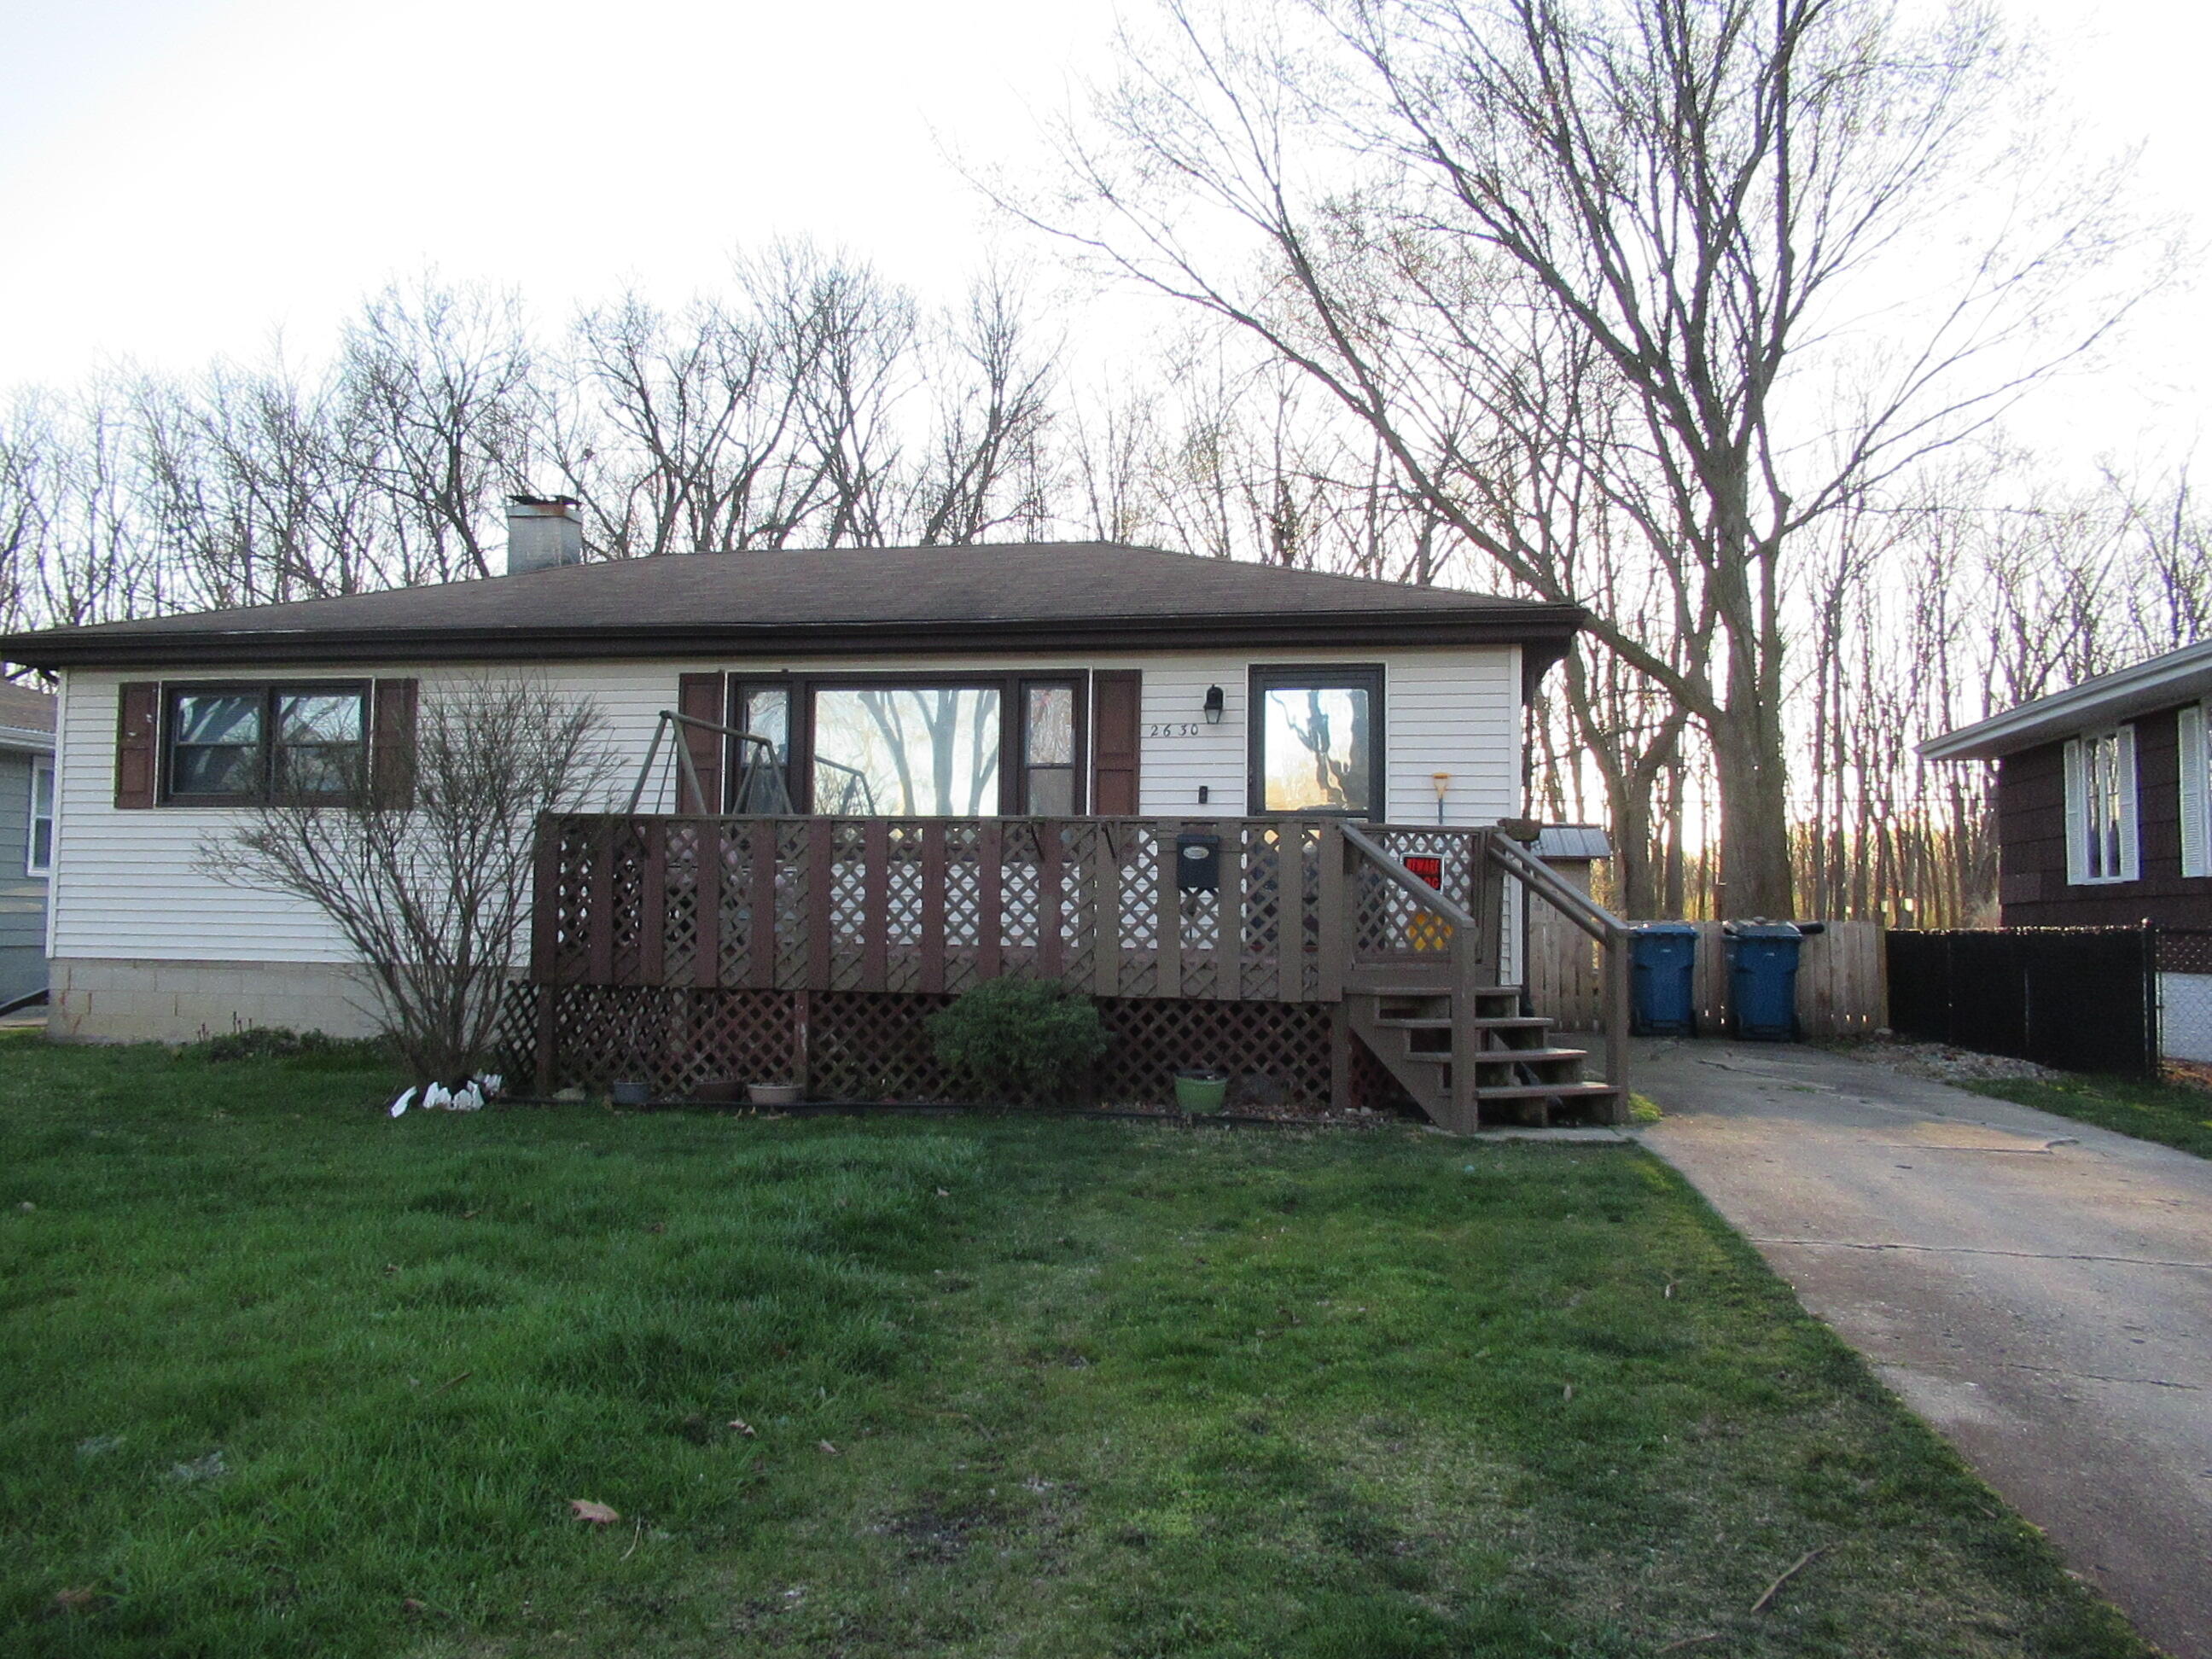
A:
283,1376
2173,1113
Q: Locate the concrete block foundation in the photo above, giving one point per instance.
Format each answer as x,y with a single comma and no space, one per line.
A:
102,1000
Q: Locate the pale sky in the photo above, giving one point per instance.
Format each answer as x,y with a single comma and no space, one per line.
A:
181,179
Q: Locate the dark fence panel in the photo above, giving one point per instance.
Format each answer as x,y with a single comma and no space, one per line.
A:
1989,1008
2082,998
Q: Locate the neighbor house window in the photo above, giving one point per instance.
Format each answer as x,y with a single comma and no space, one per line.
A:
1317,741
240,744
2100,807
39,853
2195,734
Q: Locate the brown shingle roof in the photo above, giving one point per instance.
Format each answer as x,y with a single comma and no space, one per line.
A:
22,709
856,601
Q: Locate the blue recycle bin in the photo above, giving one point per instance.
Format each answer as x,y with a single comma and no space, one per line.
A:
1762,963
1662,964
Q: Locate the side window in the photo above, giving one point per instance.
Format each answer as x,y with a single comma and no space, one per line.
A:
2102,844
1049,757
1317,741
2195,735
39,854
216,745
764,769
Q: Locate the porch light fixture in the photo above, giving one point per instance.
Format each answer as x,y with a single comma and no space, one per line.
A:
1214,705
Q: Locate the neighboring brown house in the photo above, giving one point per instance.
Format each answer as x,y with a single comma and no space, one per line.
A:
2104,817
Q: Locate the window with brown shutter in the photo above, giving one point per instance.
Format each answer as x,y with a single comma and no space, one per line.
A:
1115,741
138,742
245,744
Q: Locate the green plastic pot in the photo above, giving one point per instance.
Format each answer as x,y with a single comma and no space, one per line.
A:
1201,1091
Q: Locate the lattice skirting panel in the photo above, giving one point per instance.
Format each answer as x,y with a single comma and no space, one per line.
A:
863,1046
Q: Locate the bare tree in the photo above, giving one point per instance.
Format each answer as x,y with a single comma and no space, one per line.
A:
856,334
78,547
687,432
425,868
261,485
441,375
1429,205
985,469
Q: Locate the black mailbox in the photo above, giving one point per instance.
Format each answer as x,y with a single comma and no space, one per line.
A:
1198,864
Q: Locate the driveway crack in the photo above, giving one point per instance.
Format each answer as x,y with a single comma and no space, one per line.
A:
1969,1249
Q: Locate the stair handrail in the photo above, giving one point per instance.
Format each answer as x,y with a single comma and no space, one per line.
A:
1562,895
1611,933
1384,859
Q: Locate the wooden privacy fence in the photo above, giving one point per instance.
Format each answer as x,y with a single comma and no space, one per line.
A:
1841,986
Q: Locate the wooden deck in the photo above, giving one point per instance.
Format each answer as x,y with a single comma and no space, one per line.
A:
1244,912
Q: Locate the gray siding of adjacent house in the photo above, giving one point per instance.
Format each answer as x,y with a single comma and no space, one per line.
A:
22,896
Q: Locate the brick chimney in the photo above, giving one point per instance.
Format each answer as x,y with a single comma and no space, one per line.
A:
543,530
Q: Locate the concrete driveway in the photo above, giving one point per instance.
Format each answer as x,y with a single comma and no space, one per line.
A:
2039,1290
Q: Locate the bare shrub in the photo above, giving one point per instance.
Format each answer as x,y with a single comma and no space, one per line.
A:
428,876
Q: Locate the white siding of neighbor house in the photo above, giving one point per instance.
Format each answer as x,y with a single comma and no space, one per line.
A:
136,884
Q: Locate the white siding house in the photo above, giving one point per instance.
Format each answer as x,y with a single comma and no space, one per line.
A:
148,941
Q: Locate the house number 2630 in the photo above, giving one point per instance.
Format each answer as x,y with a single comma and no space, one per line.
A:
1180,729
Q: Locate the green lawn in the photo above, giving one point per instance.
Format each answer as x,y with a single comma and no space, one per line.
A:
283,1376
2166,1112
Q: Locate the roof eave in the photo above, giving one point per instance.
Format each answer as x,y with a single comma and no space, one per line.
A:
1544,628
2177,677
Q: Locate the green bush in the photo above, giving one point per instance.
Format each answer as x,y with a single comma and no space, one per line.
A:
1019,1039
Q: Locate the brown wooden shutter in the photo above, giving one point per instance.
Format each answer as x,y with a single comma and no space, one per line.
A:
701,697
1115,736
138,742
391,742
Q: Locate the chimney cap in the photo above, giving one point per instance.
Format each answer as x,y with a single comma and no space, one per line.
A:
560,502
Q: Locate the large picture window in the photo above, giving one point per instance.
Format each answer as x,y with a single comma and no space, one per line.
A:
881,746
1317,741
907,751
240,744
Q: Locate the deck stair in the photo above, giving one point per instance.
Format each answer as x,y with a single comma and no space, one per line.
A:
1516,1073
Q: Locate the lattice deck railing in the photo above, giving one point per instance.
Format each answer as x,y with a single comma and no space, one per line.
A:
930,906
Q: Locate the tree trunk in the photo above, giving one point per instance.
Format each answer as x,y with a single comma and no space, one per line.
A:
1754,802
1633,892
